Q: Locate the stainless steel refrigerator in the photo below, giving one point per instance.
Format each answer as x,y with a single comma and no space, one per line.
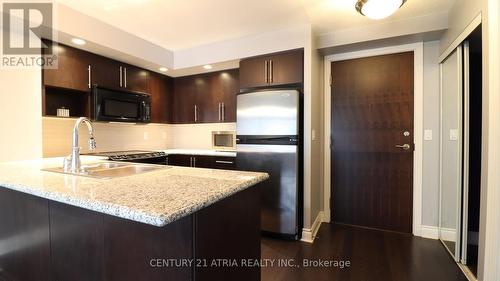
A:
268,140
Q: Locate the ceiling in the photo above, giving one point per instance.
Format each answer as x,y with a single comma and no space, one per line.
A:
181,24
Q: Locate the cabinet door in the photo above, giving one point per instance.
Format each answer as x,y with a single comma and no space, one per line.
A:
253,72
72,70
135,79
205,100
184,101
161,90
226,90
105,72
179,160
286,68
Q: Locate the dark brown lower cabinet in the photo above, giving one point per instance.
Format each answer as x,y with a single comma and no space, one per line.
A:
24,237
180,160
202,161
79,244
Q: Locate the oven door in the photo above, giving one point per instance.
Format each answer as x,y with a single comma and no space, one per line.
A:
110,105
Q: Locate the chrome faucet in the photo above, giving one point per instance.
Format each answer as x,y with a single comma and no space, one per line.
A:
72,162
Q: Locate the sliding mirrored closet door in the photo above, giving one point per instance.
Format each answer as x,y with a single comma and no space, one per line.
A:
460,150
451,151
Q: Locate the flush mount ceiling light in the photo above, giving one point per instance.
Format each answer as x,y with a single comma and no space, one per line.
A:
78,41
207,66
163,69
378,9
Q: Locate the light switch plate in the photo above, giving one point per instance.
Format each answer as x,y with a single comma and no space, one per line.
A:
313,134
428,135
453,134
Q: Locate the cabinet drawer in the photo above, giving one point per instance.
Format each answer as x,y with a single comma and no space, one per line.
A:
216,162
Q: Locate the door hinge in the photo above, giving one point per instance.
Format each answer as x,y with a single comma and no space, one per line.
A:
331,80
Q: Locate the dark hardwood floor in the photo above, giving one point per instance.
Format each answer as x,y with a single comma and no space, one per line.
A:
373,255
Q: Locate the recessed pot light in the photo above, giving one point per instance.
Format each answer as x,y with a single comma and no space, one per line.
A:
163,69
78,41
207,66
378,9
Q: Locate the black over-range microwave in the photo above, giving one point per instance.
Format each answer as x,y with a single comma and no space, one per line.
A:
120,106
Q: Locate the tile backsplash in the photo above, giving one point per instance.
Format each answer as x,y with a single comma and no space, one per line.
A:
57,136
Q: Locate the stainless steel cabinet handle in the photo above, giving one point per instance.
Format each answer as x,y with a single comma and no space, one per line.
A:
271,70
125,75
223,112
224,162
403,146
90,80
195,113
220,111
194,161
190,161
266,71
121,76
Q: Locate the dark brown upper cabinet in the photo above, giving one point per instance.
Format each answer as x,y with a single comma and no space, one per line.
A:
104,72
184,108
72,71
161,89
134,78
272,70
206,98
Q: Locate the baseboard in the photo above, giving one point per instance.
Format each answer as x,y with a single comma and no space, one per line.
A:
308,234
428,231
448,234
432,232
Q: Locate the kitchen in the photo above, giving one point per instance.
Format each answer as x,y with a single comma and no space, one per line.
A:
234,142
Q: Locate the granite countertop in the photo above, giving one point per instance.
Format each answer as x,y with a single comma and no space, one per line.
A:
206,152
156,198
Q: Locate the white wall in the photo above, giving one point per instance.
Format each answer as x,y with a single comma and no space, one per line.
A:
386,30
430,173
248,46
20,114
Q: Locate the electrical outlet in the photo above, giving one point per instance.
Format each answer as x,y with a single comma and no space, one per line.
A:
428,135
164,135
146,136
453,134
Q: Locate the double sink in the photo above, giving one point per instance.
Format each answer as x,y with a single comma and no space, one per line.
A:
107,170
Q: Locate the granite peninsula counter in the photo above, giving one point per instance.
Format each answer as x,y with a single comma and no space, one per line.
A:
68,227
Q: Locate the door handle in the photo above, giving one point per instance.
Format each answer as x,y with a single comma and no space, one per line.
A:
266,71
90,78
403,146
195,113
223,106
271,71
224,162
121,76
125,76
220,111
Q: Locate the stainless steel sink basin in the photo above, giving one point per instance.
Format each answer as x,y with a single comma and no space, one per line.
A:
105,170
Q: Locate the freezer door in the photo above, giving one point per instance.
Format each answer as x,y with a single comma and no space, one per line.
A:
268,113
280,191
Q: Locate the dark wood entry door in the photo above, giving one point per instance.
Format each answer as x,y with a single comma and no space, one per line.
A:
372,113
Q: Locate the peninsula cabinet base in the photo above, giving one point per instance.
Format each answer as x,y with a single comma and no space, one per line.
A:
42,240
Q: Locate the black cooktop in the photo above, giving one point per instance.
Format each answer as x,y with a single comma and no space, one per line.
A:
131,154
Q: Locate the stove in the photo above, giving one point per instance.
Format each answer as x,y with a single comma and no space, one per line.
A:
139,156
